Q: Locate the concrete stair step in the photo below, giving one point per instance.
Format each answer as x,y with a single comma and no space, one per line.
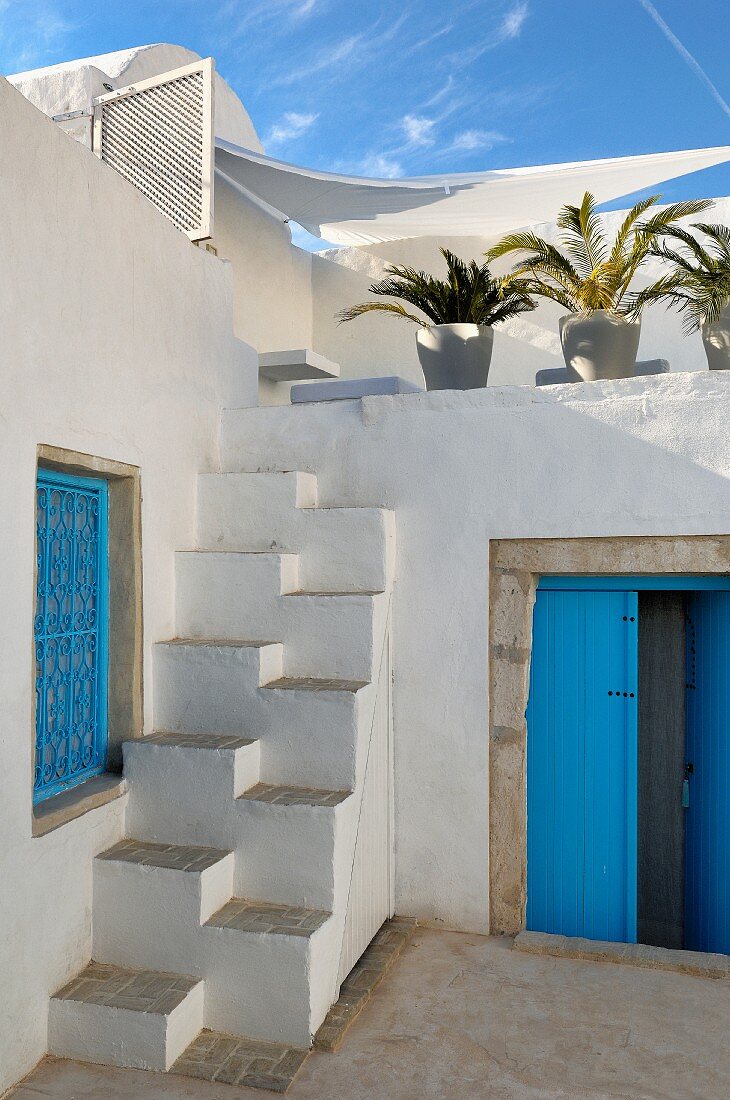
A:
187,778
232,1060
277,795
228,595
313,683
138,876
111,1015
308,737
261,661
339,547
268,918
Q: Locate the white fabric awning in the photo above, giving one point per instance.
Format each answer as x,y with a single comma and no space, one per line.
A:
350,210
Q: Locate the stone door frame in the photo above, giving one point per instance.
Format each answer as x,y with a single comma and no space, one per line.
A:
515,567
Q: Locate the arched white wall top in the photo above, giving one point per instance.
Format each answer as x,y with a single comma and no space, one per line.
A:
71,85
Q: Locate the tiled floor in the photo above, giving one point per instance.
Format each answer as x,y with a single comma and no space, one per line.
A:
462,1017
260,916
173,857
138,990
230,1061
294,796
361,983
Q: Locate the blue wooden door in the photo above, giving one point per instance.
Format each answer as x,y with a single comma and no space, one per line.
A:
582,765
707,820
70,627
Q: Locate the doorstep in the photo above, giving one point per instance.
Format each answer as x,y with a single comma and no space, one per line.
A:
698,963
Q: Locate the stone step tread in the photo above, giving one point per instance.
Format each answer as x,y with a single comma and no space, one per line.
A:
331,592
244,915
151,991
278,795
231,1060
215,741
311,683
173,857
227,643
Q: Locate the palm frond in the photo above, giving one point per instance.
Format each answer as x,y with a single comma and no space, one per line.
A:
467,294
378,307
584,241
623,235
718,234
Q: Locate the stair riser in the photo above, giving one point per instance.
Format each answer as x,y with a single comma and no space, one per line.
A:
263,986
307,737
186,784
322,635
339,548
289,853
124,891
118,1037
258,985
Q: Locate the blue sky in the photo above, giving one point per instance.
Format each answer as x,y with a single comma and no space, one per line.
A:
369,87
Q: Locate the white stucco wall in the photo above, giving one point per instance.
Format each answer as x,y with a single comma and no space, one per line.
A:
641,456
116,342
72,85
271,277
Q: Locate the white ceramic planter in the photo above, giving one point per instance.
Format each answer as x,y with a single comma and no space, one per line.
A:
716,338
599,345
455,357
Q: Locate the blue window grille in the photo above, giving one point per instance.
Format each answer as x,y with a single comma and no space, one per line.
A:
71,631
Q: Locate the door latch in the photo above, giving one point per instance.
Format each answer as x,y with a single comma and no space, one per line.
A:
688,771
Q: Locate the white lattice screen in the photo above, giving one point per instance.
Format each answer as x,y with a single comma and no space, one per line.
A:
158,134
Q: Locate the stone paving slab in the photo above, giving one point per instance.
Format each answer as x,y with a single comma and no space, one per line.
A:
311,683
268,918
293,796
171,856
153,991
698,963
233,1061
362,981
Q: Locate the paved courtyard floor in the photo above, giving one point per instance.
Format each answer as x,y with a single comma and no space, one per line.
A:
463,1016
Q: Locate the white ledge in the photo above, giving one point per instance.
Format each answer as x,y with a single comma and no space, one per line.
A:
296,364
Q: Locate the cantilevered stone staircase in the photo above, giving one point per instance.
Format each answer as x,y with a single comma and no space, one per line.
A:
225,908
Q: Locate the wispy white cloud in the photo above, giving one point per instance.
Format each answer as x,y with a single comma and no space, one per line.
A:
445,90
292,126
342,56
381,165
265,11
432,37
509,28
511,25
418,131
470,140
684,53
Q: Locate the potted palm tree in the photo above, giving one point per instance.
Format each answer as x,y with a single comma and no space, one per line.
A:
591,277
698,285
454,337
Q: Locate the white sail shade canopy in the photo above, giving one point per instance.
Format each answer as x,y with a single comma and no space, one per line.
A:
349,210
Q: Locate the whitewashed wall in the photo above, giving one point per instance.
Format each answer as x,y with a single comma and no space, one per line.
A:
115,340
641,456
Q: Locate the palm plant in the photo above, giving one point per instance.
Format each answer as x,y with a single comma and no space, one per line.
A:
591,273
699,284
468,295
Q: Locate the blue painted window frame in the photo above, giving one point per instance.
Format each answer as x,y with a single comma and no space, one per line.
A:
99,488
